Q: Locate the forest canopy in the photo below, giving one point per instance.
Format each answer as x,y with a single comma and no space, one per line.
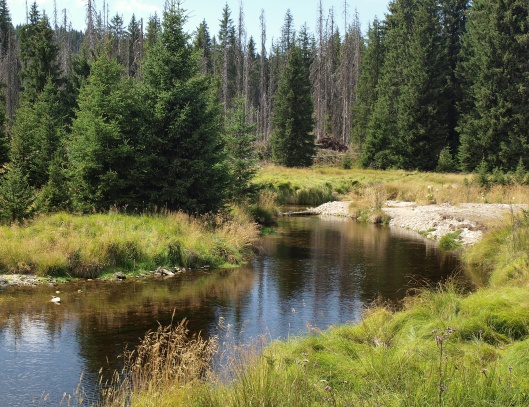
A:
146,115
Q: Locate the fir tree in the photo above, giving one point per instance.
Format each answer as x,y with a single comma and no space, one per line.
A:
292,138
494,125
187,169
106,145
240,139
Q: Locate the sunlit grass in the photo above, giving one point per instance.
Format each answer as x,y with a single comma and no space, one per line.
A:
87,246
317,185
442,348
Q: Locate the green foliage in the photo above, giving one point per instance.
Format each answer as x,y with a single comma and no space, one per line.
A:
409,117
186,167
520,175
17,197
106,146
446,162
494,125
240,139
38,54
37,134
292,139
482,175
366,90
4,139
450,241
347,162
55,194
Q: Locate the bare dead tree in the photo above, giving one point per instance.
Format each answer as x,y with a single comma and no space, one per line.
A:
240,51
65,46
317,75
263,112
91,36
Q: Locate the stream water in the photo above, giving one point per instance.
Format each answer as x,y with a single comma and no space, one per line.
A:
317,271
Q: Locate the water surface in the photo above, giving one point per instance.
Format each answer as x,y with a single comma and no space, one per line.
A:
313,271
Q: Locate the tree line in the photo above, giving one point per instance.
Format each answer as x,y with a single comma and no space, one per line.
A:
444,86
146,115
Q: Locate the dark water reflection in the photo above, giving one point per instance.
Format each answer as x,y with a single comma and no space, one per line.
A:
314,271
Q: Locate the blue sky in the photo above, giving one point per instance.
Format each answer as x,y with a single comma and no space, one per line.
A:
211,10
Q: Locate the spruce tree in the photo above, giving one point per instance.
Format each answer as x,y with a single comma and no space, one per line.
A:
106,146
409,125
154,28
134,38
494,125
240,139
37,133
366,91
38,54
187,169
379,149
202,44
453,20
17,197
292,137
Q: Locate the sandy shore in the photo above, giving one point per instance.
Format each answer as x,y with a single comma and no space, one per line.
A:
435,221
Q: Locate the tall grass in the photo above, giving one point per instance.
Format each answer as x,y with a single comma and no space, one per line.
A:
317,185
503,254
442,349
87,246
167,361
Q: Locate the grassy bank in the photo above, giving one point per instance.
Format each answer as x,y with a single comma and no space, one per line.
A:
442,347
317,185
90,246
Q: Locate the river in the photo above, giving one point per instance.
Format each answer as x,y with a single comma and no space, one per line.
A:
313,271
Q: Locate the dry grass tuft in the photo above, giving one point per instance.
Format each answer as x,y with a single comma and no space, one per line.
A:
166,361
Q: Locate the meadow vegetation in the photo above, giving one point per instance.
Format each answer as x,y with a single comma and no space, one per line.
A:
317,185
89,246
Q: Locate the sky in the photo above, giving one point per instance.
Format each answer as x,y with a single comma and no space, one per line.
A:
303,11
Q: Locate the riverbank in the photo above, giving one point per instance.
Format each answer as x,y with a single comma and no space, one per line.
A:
434,221
66,246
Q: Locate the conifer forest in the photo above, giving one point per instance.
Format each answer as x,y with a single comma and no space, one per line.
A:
143,114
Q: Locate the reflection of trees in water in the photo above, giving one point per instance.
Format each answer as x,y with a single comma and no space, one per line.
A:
111,315
354,261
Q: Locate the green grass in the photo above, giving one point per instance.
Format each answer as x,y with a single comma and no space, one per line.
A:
450,241
442,349
89,246
317,185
